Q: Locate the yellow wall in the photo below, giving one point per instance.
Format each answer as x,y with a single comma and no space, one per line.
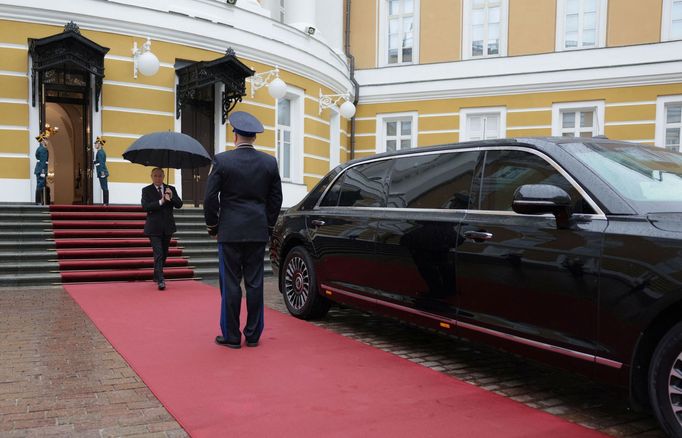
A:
363,35
634,22
532,26
440,31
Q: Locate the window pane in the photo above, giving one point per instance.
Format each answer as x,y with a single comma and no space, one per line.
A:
589,38
572,6
477,17
390,145
572,23
476,124
677,11
589,5
407,55
672,137
364,185
407,24
393,26
432,181
494,47
331,199
590,21
571,39
586,119
409,7
393,56
284,112
567,134
493,31
405,144
493,15
673,114
568,120
479,3
676,31
391,128
477,33
286,160
406,127
586,134
492,127
393,7
393,42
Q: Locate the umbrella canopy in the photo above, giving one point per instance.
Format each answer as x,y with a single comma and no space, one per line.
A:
168,149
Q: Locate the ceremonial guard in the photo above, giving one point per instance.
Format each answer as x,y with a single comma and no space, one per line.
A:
101,169
40,171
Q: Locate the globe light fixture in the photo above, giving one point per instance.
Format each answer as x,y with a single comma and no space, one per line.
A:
144,60
277,88
347,109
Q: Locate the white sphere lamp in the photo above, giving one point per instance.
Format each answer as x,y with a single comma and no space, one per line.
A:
148,63
277,88
347,110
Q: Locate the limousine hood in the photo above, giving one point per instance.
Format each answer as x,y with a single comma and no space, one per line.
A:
666,221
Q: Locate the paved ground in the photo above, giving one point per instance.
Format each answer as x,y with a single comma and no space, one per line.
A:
60,377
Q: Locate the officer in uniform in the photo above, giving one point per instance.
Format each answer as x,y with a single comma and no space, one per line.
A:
243,200
101,169
40,171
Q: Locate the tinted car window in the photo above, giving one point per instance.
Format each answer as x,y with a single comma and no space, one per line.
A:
364,185
331,199
432,181
310,201
505,171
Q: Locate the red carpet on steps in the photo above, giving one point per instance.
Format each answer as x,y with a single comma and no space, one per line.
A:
107,243
302,381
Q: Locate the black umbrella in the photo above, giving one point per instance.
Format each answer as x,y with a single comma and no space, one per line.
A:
168,149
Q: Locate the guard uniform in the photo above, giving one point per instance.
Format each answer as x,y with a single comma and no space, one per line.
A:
243,200
40,171
101,169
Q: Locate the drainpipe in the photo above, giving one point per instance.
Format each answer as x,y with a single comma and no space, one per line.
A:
351,63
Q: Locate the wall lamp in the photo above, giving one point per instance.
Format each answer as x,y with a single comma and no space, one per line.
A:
144,60
347,109
276,87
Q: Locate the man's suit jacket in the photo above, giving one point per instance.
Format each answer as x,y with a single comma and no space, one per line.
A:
243,195
160,219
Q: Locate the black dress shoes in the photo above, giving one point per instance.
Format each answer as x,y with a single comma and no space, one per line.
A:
162,285
222,341
252,343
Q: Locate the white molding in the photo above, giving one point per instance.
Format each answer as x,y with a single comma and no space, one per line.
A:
382,32
364,119
316,137
262,148
610,67
14,101
258,104
122,135
13,73
424,116
592,105
134,85
661,102
137,111
602,15
319,120
13,128
521,128
528,110
614,105
11,155
13,46
313,175
365,134
380,145
316,157
131,60
631,122
466,30
439,131
334,139
466,112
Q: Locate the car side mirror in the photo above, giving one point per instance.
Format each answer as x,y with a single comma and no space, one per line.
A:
541,199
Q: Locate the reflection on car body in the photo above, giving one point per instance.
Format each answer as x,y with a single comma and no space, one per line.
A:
566,250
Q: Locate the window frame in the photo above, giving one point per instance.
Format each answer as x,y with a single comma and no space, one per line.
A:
296,96
334,138
662,103
467,52
597,106
381,130
666,22
465,113
600,23
382,52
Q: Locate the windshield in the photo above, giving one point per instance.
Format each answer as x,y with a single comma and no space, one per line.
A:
649,178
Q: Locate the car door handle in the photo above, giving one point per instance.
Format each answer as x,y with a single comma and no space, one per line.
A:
478,236
317,222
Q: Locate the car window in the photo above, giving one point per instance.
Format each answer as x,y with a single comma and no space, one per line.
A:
363,185
310,201
505,171
440,181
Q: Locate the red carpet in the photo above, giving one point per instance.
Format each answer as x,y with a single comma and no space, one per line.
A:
302,381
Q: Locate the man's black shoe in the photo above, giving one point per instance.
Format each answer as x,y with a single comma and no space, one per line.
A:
162,285
252,344
222,341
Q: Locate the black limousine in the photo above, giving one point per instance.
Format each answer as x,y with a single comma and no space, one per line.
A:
567,250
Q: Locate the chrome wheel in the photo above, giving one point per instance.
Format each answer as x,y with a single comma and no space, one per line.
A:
675,388
297,282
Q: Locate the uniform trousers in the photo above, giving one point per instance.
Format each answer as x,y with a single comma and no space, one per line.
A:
160,244
239,260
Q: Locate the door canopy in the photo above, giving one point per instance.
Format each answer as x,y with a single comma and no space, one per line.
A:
68,49
229,70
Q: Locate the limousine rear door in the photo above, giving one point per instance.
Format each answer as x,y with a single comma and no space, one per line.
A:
521,277
342,230
417,234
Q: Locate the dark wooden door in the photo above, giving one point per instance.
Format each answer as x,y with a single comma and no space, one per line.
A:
198,121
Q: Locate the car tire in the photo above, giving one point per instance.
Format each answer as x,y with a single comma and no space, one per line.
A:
665,382
298,284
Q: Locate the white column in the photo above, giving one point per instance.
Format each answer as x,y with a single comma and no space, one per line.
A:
330,19
300,14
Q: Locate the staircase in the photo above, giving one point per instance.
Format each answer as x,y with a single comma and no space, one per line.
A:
71,243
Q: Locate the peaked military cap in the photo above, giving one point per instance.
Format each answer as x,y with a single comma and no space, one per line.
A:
245,124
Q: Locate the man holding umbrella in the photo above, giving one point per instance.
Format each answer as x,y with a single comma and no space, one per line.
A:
158,200
243,199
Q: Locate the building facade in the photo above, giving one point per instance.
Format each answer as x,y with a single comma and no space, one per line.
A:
421,72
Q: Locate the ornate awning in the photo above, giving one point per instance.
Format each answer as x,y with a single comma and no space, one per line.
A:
67,48
229,70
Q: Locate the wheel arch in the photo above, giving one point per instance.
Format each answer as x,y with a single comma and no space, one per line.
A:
290,243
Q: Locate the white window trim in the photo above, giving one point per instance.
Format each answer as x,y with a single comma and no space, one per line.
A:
382,53
596,105
661,102
297,97
381,136
602,16
465,113
466,30
666,20
334,138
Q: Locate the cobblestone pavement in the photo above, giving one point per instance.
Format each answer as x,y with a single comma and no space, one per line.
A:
558,392
60,377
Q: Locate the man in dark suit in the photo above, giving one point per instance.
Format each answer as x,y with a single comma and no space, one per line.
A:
243,199
158,200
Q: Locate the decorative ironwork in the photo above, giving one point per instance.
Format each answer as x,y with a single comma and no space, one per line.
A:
68,49
228,69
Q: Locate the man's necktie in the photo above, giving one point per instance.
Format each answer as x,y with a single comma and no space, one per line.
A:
160,192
